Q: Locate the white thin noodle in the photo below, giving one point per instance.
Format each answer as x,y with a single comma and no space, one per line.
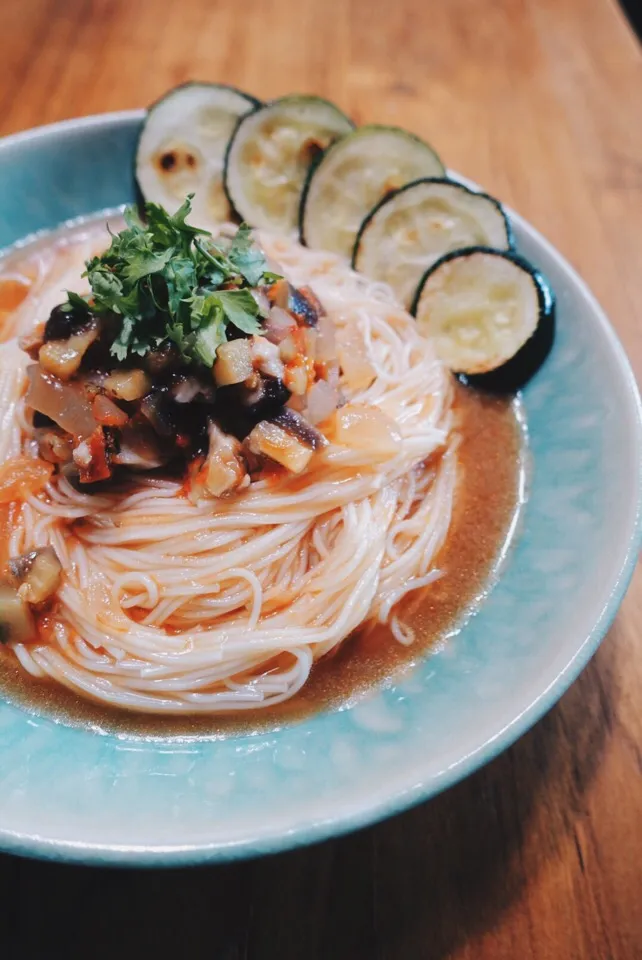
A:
235,599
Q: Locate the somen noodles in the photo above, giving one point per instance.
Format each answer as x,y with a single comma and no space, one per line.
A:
173,603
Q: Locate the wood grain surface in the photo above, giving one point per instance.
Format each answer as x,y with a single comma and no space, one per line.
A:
539,855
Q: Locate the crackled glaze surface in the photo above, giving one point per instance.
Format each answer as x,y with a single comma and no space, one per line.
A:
78,793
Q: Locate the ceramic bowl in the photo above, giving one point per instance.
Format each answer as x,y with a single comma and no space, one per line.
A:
79,794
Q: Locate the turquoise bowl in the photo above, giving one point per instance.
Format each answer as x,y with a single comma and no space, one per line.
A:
79,794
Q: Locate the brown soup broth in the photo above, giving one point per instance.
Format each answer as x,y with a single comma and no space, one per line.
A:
487,500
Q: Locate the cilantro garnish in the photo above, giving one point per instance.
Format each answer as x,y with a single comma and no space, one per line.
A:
170,282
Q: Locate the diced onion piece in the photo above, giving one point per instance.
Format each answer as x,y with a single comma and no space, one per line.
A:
22,476
297,376
265,357
363,427
224,468
36,574
16,621
59,401
279,293
322,401
62,358
288,349
356,367
107,413
261,300
127,384
272,441
233,363
326,341
310,337
279,325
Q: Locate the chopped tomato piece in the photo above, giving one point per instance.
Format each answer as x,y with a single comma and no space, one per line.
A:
21,476
108,413
91,458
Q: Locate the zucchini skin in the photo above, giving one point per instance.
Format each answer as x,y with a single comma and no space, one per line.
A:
253,104
510,236
512,375
226,160
306,189
315,162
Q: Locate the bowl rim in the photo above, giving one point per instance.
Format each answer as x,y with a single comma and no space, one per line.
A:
361,815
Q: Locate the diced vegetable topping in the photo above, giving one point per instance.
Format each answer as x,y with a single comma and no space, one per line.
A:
16,620
36,575
185,346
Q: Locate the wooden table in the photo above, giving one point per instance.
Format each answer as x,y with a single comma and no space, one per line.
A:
539,855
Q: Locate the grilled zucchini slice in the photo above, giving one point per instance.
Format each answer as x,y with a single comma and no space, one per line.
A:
490,314
182,147
353,176
413,227
270,154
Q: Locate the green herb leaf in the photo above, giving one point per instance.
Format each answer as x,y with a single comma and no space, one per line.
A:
75,302
146,264
241,309
208,340
246,256
162,279
120,346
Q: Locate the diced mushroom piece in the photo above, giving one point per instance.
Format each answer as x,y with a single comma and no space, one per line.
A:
139,449
62,358
233,363
127,384
288,439
64,322
159,360
36,575
299,427
305,305
225,470
92,459
265,357
364,427
54,446
16,620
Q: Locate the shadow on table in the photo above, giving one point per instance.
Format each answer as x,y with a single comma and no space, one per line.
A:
416,886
